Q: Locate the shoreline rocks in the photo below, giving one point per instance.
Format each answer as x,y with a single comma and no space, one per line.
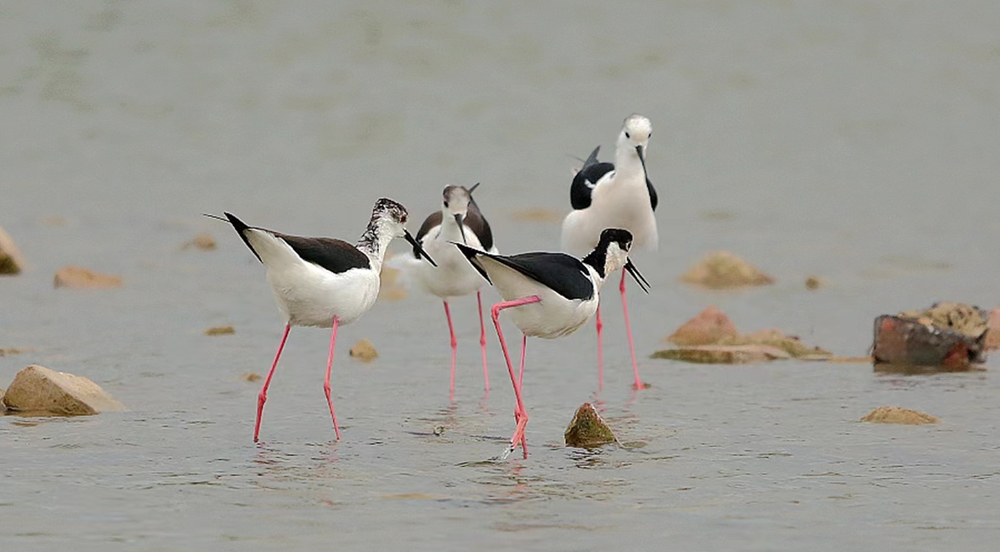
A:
39,391
898,415
11,260
83,278
364,351
723,270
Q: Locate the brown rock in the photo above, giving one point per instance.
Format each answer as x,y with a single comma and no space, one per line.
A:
536,215
993,334
588,429
251,377
776,338
814,282
38,391
897,415
709,326
12,351
364,351
723,270
950,336
79,277
3,407
723,354
390,288
11,260
220,330
205,242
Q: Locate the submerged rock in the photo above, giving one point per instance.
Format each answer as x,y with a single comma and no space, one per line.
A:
11,261
948,335
39,391
205,242
79,277
251,377
220,330
588,429
364,351
723,270
390,283
11,351
723,354
711,338
709,326
898,415
814,282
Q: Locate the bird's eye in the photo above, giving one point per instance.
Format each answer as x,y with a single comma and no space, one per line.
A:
446,204
627,135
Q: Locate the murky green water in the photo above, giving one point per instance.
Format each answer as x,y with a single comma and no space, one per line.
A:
854,141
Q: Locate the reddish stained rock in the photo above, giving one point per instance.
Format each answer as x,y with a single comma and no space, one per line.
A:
79,277
709,326
951,336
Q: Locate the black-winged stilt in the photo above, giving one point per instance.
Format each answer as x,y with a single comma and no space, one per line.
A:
551,294
619,195
323,282
459,220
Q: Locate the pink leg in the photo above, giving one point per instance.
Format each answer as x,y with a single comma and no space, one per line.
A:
326,383
482,341
454,351
600,351
520,382
523,418
628,328
262,397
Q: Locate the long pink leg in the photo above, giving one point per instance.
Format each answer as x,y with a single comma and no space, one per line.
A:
454,351
482,341
523,418
628,327
520,381
326,383
600,351
262,397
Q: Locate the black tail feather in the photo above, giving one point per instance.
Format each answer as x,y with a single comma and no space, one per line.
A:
470,254
240,227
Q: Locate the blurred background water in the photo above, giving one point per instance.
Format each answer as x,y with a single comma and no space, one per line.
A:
856,141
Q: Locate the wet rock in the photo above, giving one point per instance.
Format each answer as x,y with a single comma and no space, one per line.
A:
948,335
205,242
390,283
79,277
251,377
814,282
364,351
588,429
993,334
3,407
11,260
711,338
723,270
38,391
220,330
536,215
897,415
709,326
723,354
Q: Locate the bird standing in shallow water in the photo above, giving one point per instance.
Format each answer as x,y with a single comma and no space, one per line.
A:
323,282
459,220
619,195
551,295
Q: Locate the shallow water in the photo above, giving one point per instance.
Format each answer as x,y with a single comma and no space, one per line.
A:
852,141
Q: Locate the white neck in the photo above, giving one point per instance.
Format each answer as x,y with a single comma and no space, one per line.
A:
628,168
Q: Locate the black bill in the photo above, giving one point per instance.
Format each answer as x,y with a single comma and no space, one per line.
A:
417,247
473,188
642,159
636,276
461,228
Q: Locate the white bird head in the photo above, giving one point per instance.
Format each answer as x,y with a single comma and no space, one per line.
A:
455,205
635,135
389,219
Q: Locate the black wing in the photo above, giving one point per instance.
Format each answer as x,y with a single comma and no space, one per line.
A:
476,222
562,273
432,220
653,200
334,255
586,179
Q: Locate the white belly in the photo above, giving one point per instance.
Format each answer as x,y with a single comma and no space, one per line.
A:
554,316
613,206
453,277
310,296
